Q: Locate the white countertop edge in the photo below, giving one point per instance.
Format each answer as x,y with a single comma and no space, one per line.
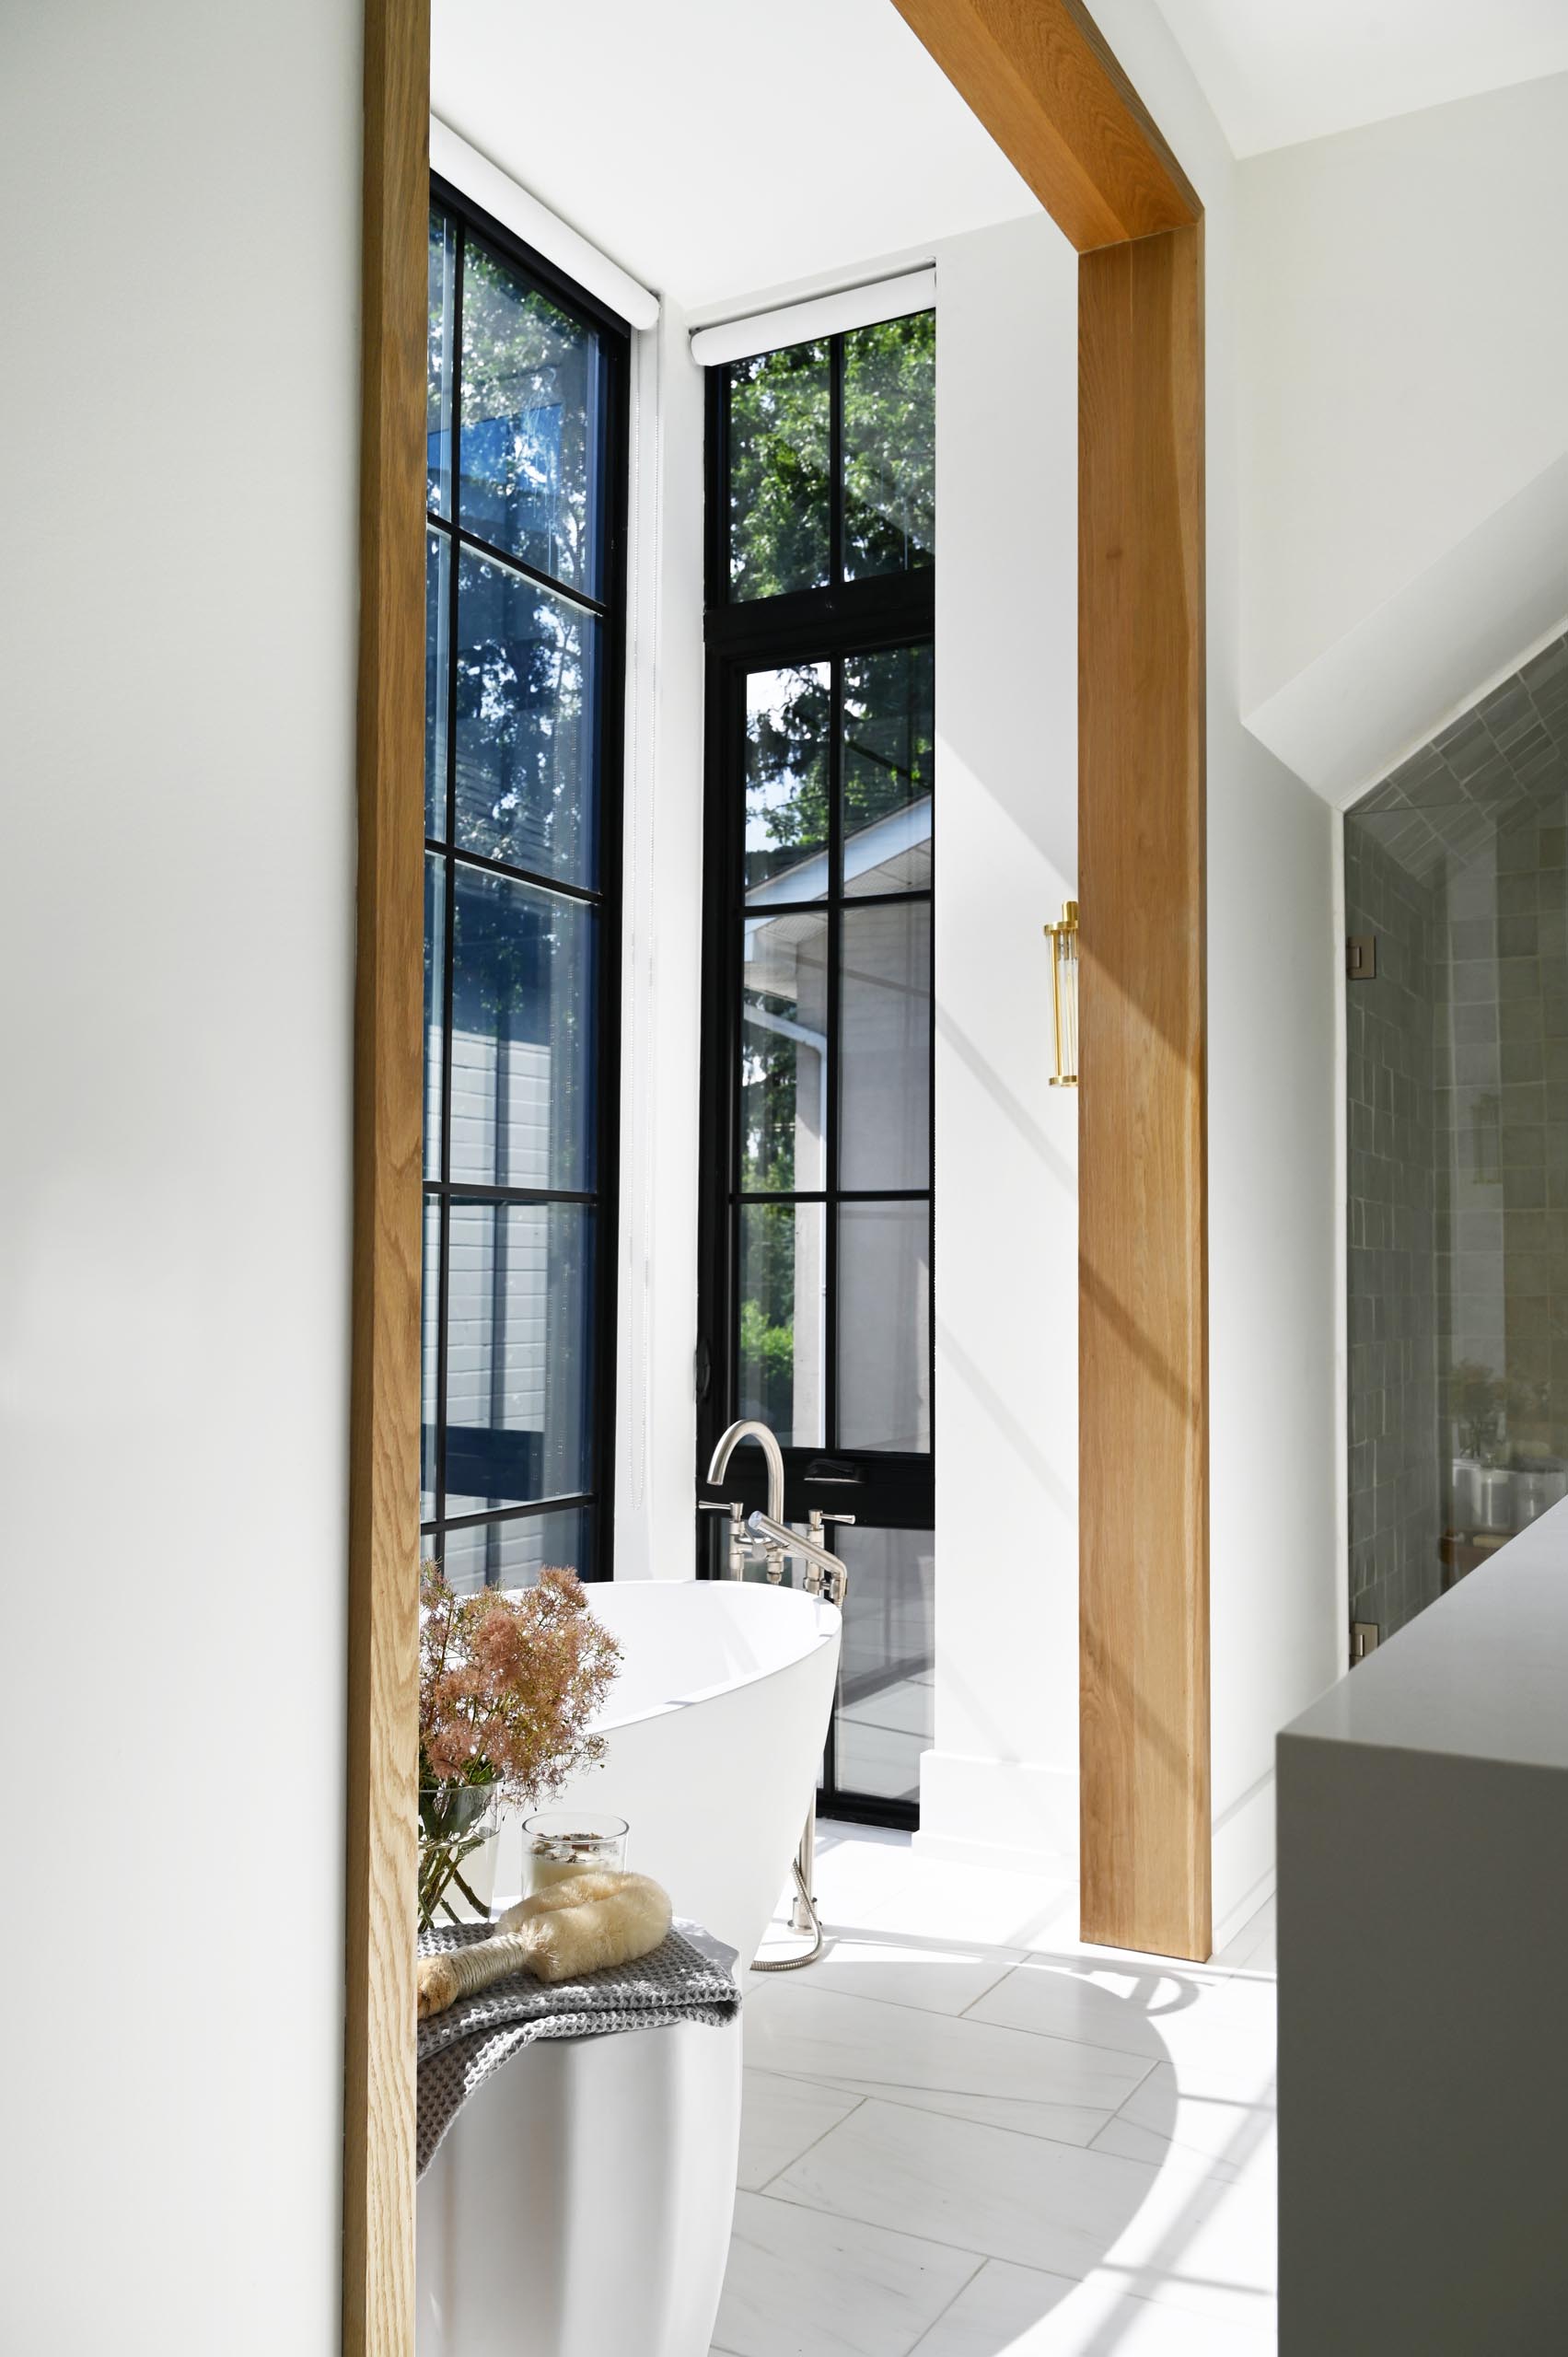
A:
1482,1674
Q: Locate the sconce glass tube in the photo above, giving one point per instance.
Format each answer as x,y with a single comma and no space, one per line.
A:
1063,940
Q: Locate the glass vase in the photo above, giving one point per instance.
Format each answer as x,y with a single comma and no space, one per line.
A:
457,1830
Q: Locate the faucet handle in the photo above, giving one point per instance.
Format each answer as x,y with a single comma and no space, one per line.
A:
739,1548
818,1517
833,1584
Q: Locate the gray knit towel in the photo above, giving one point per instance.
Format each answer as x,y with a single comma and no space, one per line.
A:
688,1977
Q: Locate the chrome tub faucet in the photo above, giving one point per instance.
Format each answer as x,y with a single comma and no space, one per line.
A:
742,1549
826,1576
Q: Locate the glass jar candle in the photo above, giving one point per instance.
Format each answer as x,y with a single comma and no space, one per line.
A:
565,1842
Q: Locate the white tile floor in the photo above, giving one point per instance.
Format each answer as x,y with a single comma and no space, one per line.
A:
968,2134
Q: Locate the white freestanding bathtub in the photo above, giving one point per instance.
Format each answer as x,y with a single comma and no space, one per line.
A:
715,1728
580,2204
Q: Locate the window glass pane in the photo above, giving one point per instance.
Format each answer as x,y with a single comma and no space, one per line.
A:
513,1554
520,1350
519,410
890,446
530,398
435,986
437,672
886,1675
888,743
523,1036
784,1054
782,1304
787,715
779,440
429,1334
885,1326
438,365
526,768
885,1034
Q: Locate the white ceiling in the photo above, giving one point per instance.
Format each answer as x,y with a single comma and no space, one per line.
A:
715,148
1279,70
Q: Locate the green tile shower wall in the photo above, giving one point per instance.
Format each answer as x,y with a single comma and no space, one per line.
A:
1502,1129
1394,1483
1457,1077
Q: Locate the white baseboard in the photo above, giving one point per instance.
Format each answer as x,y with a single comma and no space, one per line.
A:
1005,1812
1227,1926
1021,1817
1243,1858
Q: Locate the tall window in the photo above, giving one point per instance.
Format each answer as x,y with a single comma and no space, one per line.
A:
816,1311
525,496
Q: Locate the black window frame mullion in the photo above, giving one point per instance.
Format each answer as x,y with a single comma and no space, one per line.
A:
735,703
509,561
841,1194
835,1066
482,1191
615,357
851,901
882,610
590,896
715,554
524,1510
836,461
609,425
448,867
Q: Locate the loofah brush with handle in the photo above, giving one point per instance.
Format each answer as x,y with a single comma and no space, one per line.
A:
585,1924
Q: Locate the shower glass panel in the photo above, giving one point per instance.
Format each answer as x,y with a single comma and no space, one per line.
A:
1457,900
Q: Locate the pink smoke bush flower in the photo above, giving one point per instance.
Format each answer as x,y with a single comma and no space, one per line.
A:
508,1685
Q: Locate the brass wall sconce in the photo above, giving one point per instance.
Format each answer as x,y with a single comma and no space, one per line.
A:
1063,940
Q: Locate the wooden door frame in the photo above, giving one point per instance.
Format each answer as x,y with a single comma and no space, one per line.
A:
1039,75
383,1587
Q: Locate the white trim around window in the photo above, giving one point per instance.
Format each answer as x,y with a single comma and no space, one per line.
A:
486,185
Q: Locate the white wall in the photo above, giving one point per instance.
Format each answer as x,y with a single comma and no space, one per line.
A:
176,651
1000,1783
1403,344
655,1412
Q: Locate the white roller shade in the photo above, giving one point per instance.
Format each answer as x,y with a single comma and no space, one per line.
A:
852,307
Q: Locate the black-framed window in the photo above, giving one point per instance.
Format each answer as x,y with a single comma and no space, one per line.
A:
816,1309
526,493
